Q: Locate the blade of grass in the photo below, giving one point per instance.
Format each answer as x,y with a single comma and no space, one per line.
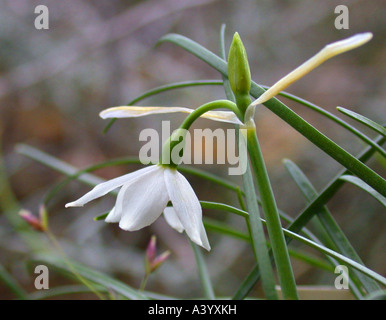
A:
94,276
276,236
332,117
365,187
12,284
362,119
224,229
330,225
63,290
203,273
328,192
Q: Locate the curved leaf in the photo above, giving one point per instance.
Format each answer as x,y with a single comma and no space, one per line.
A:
365,187
362,119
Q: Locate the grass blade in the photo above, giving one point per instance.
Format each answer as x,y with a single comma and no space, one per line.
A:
362,119
365,187
328,222
203,273
11,283
94,276
334,118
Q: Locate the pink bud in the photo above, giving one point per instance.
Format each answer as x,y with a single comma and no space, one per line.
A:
151,249
159,260
152,262
33,221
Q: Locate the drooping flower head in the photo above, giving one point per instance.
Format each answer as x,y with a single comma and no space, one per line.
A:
144,195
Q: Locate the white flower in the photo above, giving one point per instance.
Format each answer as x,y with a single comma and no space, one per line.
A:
144,195
136,111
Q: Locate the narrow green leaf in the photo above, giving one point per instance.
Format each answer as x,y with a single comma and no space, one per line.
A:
94,276
362,119
365,187
334,118
12,284
63,290
203,272
370,273
329,224
224,229
276,236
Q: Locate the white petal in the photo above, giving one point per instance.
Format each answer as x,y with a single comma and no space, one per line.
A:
142,201
172,219
105,187
204,237
186,206
222,116
326,53
136,111
113,216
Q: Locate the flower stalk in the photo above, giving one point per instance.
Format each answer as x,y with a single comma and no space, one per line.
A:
275,231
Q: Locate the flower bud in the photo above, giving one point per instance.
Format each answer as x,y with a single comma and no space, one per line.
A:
238,68
33,221
153,262
43,216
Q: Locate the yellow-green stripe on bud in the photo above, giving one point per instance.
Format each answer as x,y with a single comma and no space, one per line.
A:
238,72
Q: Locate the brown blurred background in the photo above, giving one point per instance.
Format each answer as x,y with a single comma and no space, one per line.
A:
97,54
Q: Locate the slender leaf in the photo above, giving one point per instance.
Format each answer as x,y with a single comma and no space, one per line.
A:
12,284
276,236
94,276
365,187
334,118
362,119
203,272
332,228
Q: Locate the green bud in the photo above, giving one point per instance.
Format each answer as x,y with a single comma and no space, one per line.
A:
238,68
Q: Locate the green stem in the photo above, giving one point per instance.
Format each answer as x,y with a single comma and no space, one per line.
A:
256,231
166,158
203,272
144,282
279,247
208,107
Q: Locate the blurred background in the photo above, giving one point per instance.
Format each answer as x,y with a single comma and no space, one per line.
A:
98,54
